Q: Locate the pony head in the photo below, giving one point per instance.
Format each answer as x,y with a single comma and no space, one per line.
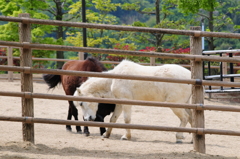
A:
89,109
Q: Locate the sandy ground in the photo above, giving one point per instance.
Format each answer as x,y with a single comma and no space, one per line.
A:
53,141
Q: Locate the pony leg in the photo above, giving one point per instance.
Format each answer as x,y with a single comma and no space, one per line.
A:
69,117
102,129
127,120
86,131
179,135
184,117
113,119
189,111
187,118
74,112
101,119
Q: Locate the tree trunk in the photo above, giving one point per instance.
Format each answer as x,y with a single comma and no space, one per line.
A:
59,16
157,11
158,20
210,25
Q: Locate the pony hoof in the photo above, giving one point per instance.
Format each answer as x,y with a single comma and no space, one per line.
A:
124,138
87,133
105,135
79,132
69,129
179,142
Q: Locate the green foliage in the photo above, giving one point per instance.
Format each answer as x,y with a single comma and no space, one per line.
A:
219,15
105,5
96,37
167,20
46,9
9,31
139,24
129,6
193,6
174,14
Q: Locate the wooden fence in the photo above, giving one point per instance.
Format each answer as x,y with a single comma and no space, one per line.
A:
10,59
197,105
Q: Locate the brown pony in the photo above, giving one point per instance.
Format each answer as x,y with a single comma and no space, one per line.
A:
70,83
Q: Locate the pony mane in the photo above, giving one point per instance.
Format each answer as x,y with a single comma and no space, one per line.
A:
97,63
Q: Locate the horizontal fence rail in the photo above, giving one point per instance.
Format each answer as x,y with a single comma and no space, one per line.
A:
198,131
106,62
120,52
122,28
120,101
119,76
221,51
65,60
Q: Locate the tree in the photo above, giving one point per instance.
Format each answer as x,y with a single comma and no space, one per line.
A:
59,10
9,31
162,14
218,13
99,13
42,9
102,11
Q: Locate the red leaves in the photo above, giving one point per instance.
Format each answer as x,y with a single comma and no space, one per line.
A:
176,51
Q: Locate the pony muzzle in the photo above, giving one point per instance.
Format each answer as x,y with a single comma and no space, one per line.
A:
90,118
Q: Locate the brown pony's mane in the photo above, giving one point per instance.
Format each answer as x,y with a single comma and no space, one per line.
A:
99,66
93,65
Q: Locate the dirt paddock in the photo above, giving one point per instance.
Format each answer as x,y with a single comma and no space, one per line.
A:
53,141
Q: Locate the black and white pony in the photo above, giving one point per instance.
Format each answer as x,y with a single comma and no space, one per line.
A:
70,83
138,90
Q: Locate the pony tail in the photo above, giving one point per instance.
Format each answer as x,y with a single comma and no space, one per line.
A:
52,80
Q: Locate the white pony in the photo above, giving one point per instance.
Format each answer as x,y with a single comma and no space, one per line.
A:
138,90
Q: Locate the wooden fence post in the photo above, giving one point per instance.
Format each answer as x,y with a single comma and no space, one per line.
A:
152,61
225,67
10,63
26,77
197,92
81,55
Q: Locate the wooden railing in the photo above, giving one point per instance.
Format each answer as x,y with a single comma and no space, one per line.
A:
196,59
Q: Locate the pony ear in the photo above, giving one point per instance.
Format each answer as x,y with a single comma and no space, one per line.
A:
78,90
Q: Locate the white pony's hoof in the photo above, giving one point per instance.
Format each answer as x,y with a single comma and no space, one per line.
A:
124,138
105,135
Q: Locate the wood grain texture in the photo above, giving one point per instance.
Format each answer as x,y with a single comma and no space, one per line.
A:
26,79
197,92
